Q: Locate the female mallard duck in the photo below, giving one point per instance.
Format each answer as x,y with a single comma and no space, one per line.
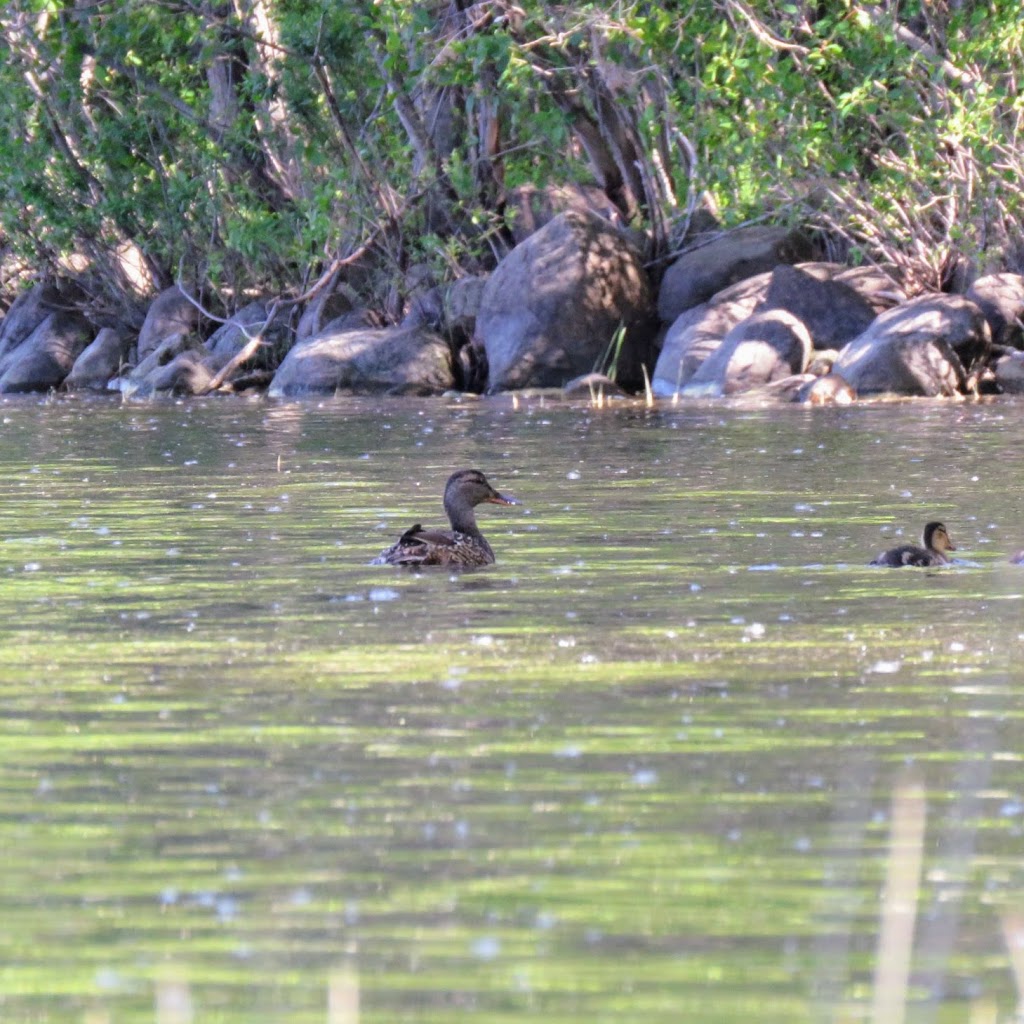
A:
463,544
936,541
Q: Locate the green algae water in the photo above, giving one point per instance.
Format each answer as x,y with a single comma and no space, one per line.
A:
642,769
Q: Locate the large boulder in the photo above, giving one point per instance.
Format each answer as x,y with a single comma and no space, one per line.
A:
553,308
46,356
768,346
1009,373
699,331
832,311
878,288
529,207
391,359
100,361
924,347
235,334
711,265
1001,299
26,313
171,312
328,305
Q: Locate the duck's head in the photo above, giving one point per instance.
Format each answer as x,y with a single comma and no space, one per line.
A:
937,538
469,487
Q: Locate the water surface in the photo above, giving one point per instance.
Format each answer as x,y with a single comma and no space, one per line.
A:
640,770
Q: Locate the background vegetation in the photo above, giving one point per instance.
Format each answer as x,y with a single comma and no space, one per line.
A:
262,146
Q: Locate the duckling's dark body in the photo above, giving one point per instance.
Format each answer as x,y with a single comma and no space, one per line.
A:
936,542
463,546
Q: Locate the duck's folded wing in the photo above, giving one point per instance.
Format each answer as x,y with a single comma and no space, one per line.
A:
423,547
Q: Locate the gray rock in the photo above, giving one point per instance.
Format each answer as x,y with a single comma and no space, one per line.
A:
828,390
390,359
924,347
100,362
188,373
46,356
320,311
1009,373
1001,299
765,347
833,312
26,313
880,290
529,207
699,331
230,338
169,313
711,265
553,307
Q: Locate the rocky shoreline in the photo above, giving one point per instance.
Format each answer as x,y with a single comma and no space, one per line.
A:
571,306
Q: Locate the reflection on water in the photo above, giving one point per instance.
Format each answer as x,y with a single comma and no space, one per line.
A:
644,768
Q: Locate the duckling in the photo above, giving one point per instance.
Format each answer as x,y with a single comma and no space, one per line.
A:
461,546
936,541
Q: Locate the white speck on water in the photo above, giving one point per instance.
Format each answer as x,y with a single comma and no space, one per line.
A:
487,947
33,566
573,474
802,844
568,752
957,646
483,640
384,594
754,631
886,667
645,777
695,588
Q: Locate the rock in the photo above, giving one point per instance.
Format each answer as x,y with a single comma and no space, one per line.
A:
924,347
828,390
188,373
528,208
832,311
139,383
592,385
710,266
169,313
699,331
231,337
100,362
553,307
46,356
451,309
327,306
26,313
880,290
392,359
1001,299
1009,373
763,348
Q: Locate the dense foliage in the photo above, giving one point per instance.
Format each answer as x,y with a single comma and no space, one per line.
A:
257,146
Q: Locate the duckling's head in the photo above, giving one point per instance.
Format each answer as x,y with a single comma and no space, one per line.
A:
469,487
937,538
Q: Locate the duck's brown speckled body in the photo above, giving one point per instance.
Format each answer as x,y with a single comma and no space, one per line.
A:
936,542
463,546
